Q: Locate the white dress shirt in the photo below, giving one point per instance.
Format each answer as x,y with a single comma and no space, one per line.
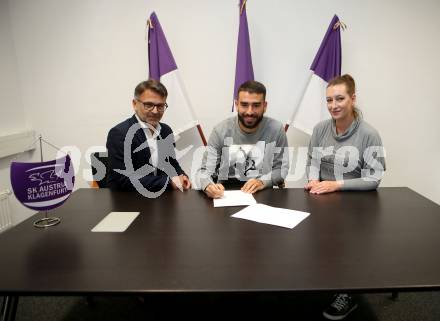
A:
151,140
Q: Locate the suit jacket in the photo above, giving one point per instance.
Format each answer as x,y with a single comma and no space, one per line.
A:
167,163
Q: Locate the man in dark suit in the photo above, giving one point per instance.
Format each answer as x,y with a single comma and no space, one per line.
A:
141,152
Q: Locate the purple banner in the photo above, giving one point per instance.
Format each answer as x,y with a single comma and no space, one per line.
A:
327,62
43,186
160,58
244,70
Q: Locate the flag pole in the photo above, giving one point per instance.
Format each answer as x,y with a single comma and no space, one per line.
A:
193,114
243,64
334,25
194,122
45,221
202,136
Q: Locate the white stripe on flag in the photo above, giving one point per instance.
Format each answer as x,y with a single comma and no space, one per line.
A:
313,106
180,115
189,153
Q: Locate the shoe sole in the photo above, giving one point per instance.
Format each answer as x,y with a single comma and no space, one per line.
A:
339,317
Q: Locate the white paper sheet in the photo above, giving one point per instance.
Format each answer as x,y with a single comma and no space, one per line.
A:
271,215
234,198
115,222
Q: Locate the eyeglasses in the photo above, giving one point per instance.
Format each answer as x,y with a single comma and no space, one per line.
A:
149,106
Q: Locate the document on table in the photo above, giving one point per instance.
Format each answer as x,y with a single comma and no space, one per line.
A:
115,222
234,198
271,215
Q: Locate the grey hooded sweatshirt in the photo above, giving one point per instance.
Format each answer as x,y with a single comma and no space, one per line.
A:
356,157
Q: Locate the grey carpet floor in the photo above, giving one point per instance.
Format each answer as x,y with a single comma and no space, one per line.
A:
420,306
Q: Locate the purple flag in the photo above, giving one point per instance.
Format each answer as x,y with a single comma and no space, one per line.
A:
162,66
327,62
160,58
312,107
43,186
180,115
243,67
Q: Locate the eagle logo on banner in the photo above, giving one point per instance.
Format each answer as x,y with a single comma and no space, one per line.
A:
43,186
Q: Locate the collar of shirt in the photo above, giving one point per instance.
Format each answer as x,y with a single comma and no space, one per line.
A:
147,130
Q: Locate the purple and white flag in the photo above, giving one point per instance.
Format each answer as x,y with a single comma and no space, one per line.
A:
43,186
312,107
163,67
244,70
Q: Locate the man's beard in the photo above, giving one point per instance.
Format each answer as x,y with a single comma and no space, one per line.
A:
258,120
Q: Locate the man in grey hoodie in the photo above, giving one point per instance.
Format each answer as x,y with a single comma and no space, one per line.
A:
247,151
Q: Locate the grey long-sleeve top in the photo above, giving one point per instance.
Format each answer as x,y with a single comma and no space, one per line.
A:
356,157
234,154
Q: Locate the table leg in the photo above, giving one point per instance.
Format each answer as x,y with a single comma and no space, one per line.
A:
9,308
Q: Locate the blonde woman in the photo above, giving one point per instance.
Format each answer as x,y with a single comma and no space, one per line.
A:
345,153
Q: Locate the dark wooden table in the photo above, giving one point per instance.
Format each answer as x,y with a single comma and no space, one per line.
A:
385,240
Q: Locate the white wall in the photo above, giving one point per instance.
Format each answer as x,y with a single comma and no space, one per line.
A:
12,116
78,63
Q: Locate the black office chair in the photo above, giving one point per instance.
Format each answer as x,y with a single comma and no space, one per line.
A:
98,160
